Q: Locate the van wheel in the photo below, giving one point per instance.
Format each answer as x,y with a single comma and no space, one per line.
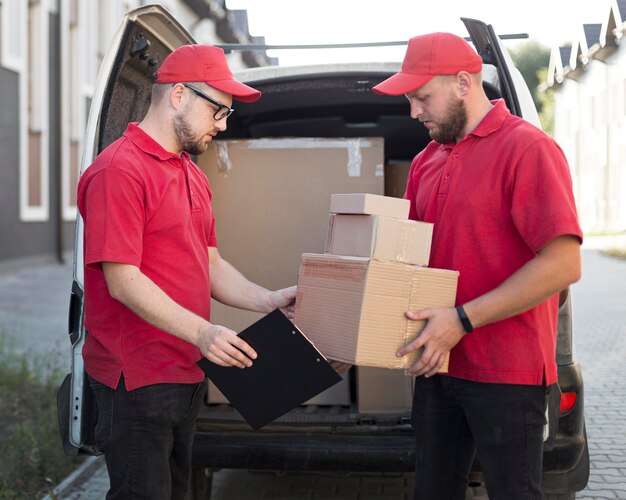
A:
201,482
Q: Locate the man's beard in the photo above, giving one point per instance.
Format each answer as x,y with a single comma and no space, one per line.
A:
185,137
453,123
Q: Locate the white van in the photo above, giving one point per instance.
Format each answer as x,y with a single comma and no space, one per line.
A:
317,130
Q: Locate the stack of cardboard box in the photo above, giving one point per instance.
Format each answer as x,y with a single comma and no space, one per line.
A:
352,299
266,199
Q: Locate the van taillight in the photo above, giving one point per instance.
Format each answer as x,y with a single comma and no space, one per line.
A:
568,401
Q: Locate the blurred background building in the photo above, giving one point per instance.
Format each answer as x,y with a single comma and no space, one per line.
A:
50,53
588,80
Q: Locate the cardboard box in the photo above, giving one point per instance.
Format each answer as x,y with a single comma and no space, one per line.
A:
338,394
396,175
215,396
380,237
381,390
270,198
353,308
369,204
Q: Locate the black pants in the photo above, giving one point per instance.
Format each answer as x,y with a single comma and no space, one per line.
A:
146,436
503,424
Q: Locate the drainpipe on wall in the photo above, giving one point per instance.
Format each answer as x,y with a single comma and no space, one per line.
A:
55,122
607,178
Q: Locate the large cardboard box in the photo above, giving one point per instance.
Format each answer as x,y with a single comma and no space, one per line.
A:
369,204
353,308
381,390
270,198
380,237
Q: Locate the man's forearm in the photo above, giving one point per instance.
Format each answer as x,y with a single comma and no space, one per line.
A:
554,269
232,288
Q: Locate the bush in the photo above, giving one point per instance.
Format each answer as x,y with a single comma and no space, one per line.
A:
32,461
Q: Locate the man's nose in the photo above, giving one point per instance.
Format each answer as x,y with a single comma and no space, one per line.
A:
221,124
416,109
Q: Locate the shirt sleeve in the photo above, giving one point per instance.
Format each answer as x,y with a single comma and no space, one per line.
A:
114,219
543,206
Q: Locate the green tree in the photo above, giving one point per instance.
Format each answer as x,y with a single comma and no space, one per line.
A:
546,96
530,57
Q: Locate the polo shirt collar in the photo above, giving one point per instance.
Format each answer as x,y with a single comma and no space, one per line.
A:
493,120
147,144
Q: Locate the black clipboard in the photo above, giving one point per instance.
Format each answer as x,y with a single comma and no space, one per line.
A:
288,371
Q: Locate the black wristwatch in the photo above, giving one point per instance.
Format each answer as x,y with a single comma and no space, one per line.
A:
467,324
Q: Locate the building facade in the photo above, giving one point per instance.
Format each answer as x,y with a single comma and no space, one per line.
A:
50,53
588,78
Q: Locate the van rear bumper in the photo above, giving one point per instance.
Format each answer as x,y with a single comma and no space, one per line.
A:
304,451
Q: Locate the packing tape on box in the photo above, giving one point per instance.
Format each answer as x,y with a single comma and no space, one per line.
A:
353,147
324,269
407,234
224,165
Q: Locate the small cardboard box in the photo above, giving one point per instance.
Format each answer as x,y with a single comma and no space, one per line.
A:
369,204
338,394
380,237
353,308
381,390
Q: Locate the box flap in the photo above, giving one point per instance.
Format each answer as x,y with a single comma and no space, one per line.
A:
369,204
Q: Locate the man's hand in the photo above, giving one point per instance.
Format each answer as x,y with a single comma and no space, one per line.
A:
442,332
283,299
223,347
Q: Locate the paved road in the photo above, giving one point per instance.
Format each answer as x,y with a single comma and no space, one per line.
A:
600,329
34,303
33,306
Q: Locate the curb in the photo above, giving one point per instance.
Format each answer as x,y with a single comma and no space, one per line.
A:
82,473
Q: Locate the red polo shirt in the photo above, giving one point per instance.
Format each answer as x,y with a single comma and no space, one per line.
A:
150,208
496,198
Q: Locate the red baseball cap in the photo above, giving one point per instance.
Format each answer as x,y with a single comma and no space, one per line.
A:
204,63
428,56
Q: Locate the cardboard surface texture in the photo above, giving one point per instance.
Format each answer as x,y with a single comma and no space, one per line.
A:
369,204
270,198
379,237
353,308
381,390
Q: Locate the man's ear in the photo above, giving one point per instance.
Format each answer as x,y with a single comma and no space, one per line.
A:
176,96
463,83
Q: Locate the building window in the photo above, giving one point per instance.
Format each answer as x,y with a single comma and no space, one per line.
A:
13,34
34,172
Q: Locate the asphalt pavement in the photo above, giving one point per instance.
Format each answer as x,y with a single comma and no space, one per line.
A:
33,316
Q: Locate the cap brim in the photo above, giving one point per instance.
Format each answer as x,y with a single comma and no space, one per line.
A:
401,83
239,91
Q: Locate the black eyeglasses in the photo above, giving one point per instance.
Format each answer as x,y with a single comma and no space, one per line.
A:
222,110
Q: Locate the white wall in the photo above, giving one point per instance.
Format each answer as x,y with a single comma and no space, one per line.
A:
590,126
